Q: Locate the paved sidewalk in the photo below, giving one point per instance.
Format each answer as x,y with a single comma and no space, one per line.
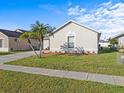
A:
109,79
16,56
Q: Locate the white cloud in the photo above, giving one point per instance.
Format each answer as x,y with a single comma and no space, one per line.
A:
75,10
107,4
108,18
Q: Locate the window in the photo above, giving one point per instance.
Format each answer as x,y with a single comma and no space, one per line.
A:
1,42
70,41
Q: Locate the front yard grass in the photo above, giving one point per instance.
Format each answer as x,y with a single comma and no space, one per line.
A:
105,63
14,82
5,53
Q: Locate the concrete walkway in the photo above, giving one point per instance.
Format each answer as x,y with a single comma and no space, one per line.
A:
109,79
16,56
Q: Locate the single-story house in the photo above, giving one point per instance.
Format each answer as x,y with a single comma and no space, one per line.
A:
9,41
104,43
73,37
120,39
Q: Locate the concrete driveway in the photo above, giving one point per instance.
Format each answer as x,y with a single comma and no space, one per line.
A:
16,56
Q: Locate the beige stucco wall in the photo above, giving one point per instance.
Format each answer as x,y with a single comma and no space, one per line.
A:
18,44
121,41
12,43
5,44
46,43
85,39
35,43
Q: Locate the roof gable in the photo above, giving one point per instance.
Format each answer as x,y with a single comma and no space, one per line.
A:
118,35
10,33
72,21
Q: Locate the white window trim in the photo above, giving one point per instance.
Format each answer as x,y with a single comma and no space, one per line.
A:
66,40
2,42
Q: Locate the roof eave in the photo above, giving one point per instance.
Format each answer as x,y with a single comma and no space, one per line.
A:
75,23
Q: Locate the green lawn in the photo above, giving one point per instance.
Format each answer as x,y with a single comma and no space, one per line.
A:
105,63
5,53
13,82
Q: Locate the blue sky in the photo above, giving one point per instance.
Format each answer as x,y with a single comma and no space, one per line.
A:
21,13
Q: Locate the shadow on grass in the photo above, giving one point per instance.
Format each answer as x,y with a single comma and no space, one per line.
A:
107,50
5,53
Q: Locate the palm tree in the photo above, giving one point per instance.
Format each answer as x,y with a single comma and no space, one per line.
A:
113,41
27,37
39,31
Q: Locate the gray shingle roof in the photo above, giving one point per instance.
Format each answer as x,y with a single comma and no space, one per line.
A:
118,35
10,33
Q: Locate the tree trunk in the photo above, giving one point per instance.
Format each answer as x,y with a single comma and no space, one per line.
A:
29,42
33,50
41,47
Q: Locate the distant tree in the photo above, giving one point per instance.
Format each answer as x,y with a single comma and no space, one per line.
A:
50,28
113,41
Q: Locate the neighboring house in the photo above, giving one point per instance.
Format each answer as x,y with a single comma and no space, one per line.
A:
73,37
104,43
9,41
120,39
